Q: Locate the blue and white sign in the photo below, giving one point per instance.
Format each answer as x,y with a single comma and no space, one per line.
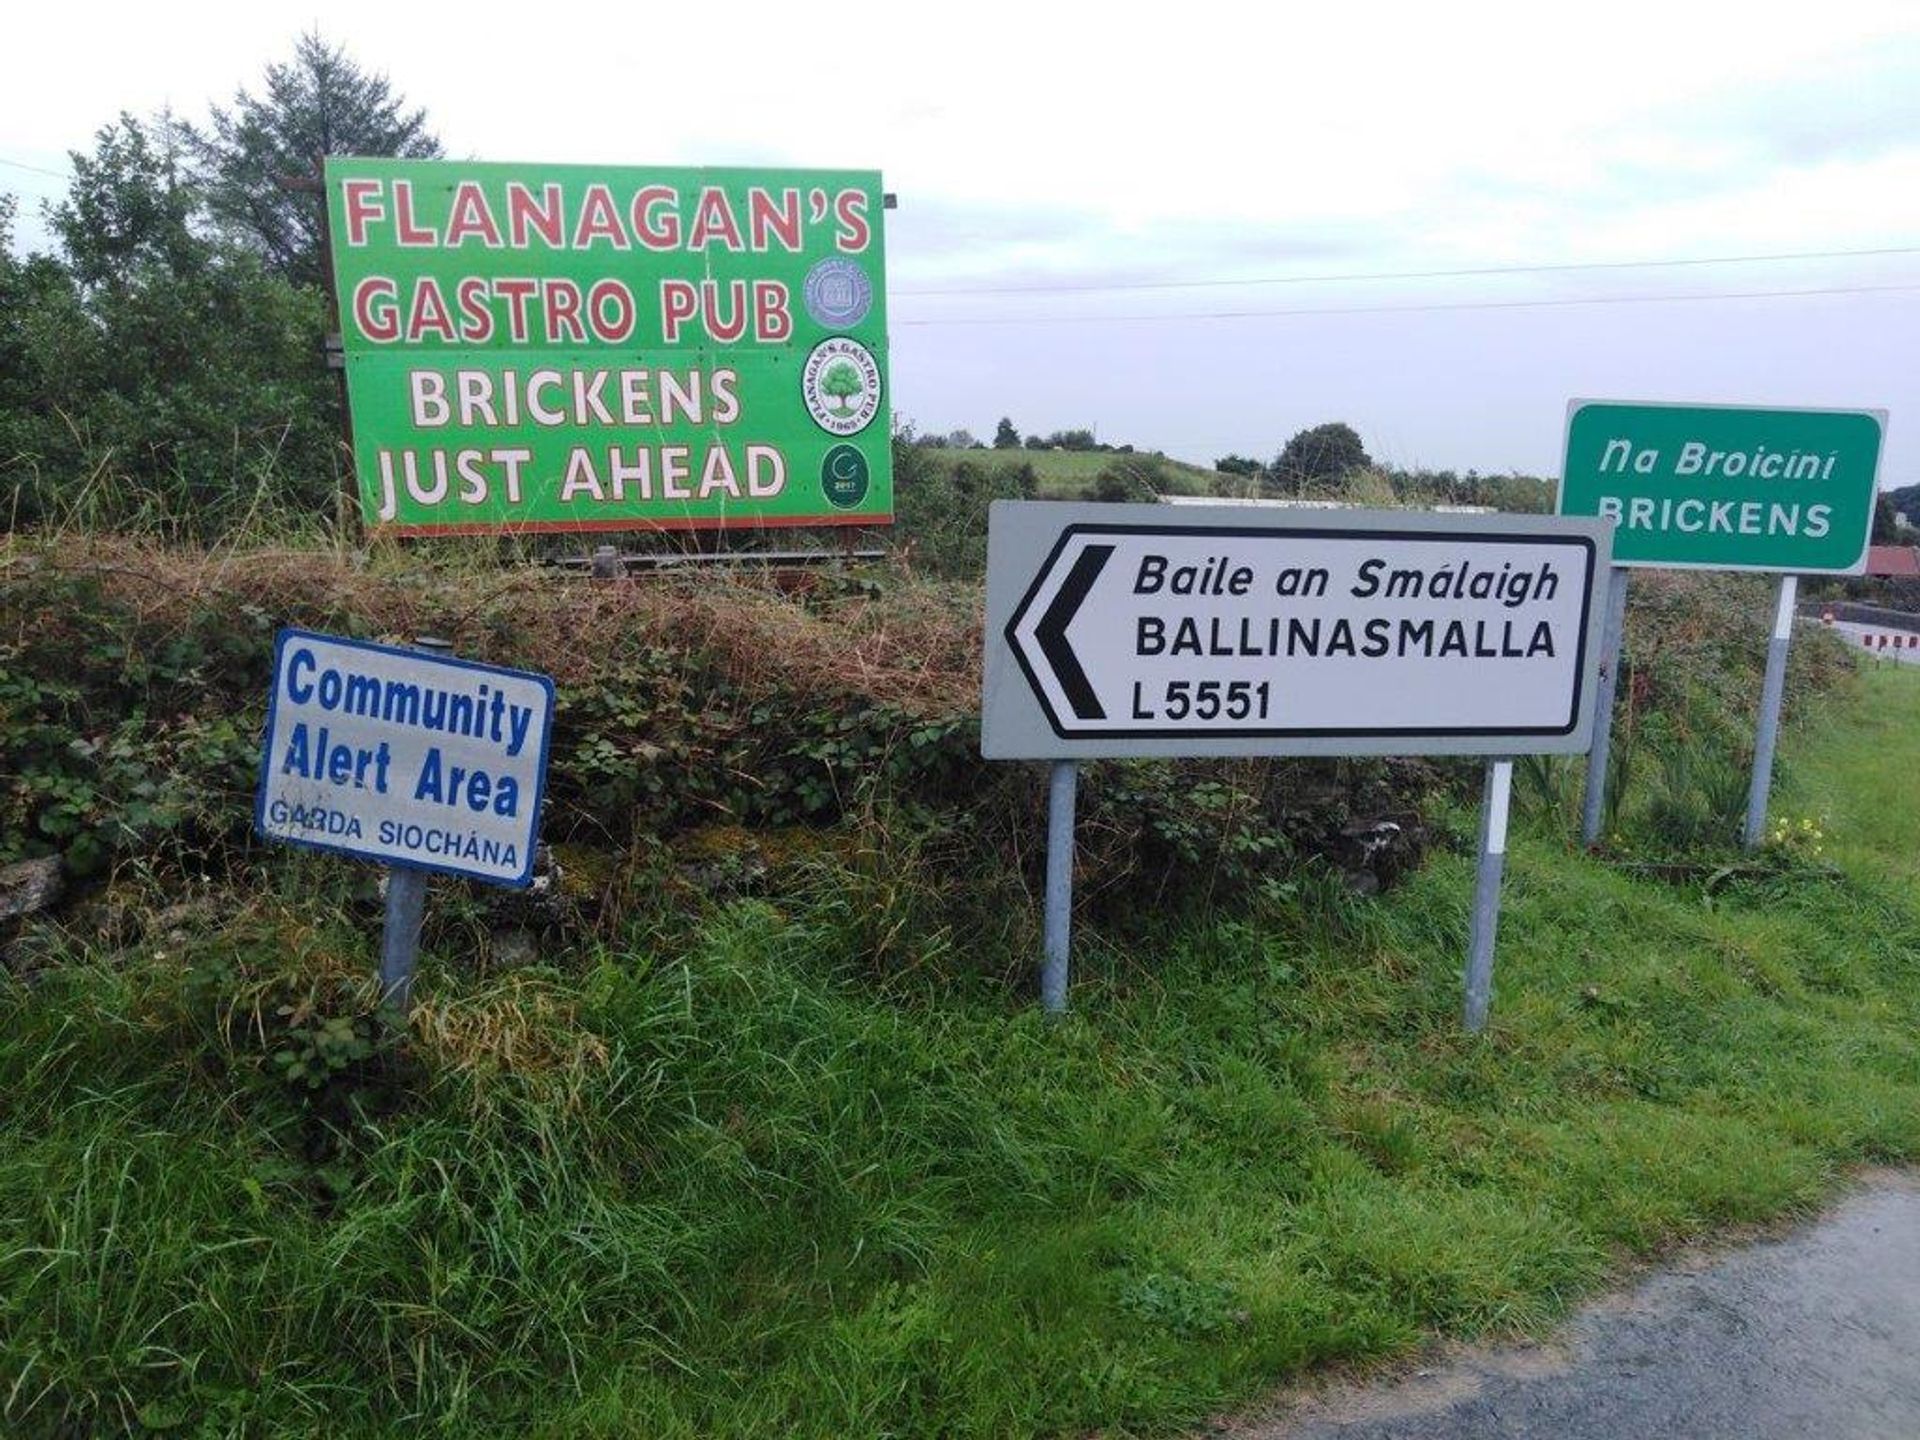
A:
404,757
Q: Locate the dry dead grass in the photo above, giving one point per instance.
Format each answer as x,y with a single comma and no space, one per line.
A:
525,1027
917,646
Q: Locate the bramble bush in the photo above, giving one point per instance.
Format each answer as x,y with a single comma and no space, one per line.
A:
133,681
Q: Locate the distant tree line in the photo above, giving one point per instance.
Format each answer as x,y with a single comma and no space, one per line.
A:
1315,458
1324,460
1007,437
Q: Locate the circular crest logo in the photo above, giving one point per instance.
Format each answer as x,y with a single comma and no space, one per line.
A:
837,293
843,477
841,385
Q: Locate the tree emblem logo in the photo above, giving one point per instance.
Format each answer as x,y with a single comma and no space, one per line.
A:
841,385
843,477
837,293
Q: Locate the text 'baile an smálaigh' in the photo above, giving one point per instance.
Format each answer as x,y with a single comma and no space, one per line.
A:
1387,635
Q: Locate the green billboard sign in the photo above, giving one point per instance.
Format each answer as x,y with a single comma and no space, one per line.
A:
564,347
1726,487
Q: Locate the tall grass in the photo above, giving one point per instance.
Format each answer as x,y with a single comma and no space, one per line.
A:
772,1168
257,502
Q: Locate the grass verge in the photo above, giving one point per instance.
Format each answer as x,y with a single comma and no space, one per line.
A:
715,1180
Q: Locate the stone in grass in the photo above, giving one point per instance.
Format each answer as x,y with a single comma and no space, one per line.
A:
29,886
515,948
1376,851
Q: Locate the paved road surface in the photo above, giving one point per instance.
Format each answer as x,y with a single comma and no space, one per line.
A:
1815,1336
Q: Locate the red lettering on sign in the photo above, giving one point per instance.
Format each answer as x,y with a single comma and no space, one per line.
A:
599,220
766,223
714,221
661,234
562,301
516,293
375,309
527,217
476,322
678,302
772,317
852,233
610,310
429,312
409,234
362,201
472,217
729,328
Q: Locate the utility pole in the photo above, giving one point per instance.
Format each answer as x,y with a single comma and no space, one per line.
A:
333,347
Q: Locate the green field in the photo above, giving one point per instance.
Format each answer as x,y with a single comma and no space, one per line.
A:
1064,474
1856,775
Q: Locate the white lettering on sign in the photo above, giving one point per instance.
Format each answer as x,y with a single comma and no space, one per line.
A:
405,757
1183,630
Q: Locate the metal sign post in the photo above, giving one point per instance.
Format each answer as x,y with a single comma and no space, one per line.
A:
1496,799
1061,785
410,758
406,910
400,941
1122,630
1773,688
1593,810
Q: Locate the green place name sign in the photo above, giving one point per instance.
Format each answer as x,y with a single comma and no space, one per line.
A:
1726,487
564,347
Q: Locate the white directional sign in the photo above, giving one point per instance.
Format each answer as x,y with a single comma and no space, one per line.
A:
404,757
1138,630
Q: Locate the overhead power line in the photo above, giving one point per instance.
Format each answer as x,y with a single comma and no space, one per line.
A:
1356,276
36,169
1405,309
1362,276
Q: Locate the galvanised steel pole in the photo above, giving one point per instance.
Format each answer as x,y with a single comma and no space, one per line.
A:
1593,809
1494,803
406,908
1771,692
1061,785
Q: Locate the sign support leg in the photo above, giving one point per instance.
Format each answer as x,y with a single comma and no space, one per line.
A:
406,909
1593,810
1061,784
333,345
1771,692
400,940
1486,892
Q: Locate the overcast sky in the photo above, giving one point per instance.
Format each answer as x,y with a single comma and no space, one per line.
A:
1212,166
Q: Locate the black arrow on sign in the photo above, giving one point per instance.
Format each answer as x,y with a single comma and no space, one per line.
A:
1051,632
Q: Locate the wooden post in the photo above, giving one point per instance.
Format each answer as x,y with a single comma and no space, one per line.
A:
333,346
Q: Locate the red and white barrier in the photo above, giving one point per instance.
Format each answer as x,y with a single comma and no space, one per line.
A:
1882,640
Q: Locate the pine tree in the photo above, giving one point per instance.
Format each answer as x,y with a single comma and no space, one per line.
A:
320,104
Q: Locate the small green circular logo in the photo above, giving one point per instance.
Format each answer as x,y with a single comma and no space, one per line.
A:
843,477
